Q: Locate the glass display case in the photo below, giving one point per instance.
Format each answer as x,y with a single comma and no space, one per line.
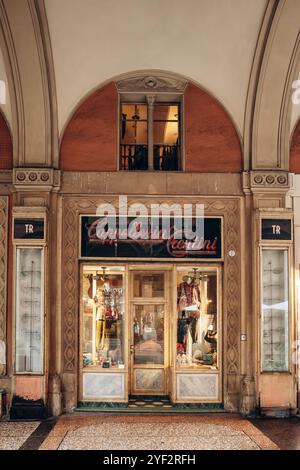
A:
29,310
275,310
103,318
197,319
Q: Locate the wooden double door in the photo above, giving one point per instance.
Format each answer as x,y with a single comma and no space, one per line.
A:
149,331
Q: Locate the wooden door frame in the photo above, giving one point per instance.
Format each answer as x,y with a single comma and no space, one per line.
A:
166,270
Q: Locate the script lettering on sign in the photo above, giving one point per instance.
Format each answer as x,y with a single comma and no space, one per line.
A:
150,243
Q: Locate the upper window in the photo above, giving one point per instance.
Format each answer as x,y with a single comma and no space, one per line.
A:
150,136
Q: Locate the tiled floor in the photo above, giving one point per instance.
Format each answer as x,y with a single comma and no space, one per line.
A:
284,432
14,434
103,432
153,404
161,432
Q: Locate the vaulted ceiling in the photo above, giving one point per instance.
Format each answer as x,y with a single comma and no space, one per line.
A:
245,53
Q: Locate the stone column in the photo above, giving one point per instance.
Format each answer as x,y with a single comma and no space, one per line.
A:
150,100
3,281
248,398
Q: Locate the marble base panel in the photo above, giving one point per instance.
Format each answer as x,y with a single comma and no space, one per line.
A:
149,380
197,387
100,386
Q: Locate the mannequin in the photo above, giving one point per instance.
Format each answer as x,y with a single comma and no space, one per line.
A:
108,311
188,295
188,301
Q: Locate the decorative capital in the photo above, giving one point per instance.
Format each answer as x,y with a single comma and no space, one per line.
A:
151,99
43,179
258,181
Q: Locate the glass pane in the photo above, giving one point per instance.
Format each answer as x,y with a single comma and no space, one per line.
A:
275,310
103,318
135,110
166,126
148,329
165,112
148,285
134,126
197,319
165,133
29,311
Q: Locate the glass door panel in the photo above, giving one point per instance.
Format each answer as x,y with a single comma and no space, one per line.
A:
148,334
148,285
149,309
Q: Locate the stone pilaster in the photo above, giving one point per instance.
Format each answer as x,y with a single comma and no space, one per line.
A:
3,280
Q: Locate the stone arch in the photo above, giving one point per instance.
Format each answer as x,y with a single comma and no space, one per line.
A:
272,111
295,149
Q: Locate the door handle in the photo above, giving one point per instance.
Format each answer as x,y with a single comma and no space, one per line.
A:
131,348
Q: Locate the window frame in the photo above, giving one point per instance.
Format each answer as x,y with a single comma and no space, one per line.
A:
160,98
274,247
41,249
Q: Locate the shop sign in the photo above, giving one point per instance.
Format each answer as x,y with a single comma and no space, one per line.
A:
149,245
29,229
276,229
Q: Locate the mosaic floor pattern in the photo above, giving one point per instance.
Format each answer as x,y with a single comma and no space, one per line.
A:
99,432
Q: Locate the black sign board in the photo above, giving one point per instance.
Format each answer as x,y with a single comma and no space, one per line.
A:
29,229
209,246
276,229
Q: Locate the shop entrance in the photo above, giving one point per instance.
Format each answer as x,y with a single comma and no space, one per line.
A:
149,315
150,329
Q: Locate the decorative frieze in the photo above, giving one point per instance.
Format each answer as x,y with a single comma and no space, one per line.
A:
3,280
146,83
266,180
36,178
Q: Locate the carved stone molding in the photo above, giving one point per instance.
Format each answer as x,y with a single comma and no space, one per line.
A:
262,180
3,279
150,83
230,209
247,404
30,179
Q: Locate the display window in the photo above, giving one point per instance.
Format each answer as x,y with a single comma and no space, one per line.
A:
160,324
197,319
103,317
29,339
275,310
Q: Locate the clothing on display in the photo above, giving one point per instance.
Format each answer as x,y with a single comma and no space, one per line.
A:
196,333
105,309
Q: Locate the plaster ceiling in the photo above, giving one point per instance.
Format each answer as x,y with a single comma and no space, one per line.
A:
209,41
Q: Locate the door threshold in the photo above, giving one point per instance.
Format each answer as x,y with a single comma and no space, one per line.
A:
151,406
154,411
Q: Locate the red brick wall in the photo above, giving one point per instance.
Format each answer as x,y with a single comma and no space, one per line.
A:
211,141
6,148
90,140
295,150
